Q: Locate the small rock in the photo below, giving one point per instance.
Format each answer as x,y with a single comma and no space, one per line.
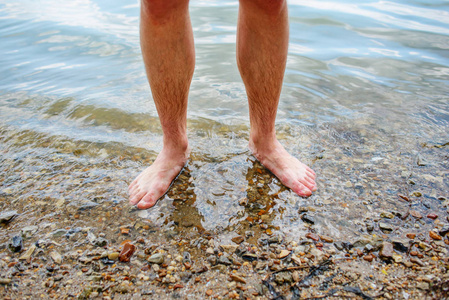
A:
238,239
432,216
415,214
385,227
369,226
7,216
368,257
397,258
435,235
387,250
28,253
57,258
284,253
410,235
387,215
126,253
237,278
283,277
445,230
249,257
313,236
308,219
224,261
422,285
417,261
28,231
113,255
209,292
16,244
229,248
157,258
326,239
318,254
400,244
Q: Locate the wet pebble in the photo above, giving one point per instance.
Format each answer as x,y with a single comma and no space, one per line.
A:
387,250
238,239
157,258
16,243
127,251
7,216
313,236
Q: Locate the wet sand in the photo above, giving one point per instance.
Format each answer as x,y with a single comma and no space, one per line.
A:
376,228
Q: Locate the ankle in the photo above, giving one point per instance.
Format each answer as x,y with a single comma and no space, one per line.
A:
178,146
262,141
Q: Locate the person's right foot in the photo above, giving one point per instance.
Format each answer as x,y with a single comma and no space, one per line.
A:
155,180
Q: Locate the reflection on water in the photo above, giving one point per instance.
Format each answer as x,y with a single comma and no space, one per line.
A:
365,95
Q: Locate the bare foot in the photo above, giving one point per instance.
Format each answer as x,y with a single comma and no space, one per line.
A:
155,180
289,170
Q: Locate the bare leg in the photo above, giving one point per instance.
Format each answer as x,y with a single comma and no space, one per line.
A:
169,57
262,45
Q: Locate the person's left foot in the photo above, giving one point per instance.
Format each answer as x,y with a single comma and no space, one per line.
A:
288,169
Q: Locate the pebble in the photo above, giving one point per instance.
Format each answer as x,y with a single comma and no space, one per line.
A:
308,219
229,248
283,254
16,244
326,239
416,214
411,235
387,250
7,216
313,236
238,278
385,227
435,235
157,258
113,255
368,257
56,256
387,215
28,253
127,251
238,239
432,216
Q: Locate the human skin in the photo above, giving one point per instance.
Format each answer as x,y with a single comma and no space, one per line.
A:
169,58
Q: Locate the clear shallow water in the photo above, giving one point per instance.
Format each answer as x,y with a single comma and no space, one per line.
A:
366,86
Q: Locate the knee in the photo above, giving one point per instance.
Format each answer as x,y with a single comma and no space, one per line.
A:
270,7
161,9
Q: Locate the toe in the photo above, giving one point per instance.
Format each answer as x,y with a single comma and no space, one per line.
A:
309,183
301,190
136,197
147,201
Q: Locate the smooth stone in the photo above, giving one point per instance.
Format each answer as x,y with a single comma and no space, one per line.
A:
7,216
385,227
113,255
237,278
238,239
157,258
284,253
28,231
308,219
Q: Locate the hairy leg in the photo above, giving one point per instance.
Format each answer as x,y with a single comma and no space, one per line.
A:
262,45
168,52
